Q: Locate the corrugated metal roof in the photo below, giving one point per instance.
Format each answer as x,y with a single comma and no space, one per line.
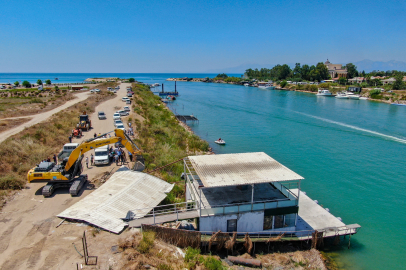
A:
124,191
240,169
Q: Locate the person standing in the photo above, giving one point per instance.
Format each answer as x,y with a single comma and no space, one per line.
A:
55,159
87,162
95,135
70,138
91,159
130,156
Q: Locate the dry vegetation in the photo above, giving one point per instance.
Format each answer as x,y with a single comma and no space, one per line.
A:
26,149
11,123
22,102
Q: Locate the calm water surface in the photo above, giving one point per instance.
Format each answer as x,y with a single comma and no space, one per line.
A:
351,154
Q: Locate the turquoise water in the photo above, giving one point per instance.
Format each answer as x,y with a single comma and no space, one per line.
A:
351,154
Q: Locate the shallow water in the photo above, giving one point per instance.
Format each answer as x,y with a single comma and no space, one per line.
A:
350,152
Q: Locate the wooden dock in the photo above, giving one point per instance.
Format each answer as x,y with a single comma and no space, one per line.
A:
185,118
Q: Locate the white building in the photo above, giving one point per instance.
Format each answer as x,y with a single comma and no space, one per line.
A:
248,192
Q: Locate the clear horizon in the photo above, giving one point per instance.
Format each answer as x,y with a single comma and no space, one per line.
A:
194,36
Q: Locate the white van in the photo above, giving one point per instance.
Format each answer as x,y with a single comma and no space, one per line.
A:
101,155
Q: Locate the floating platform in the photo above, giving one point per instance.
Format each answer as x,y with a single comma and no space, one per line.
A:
185,118
168,94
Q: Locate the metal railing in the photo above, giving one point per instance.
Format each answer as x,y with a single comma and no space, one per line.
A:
162,210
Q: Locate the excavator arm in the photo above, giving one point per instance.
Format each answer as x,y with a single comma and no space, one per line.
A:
99,142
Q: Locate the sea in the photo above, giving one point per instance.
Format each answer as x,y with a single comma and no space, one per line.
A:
350,152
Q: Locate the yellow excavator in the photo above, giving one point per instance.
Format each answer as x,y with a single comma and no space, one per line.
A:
68,173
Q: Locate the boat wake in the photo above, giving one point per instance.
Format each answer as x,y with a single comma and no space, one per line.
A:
393,138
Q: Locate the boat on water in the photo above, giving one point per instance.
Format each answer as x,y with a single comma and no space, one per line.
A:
341,95
398,104
220,141
266,86
363,98
246,84
324,92
351,95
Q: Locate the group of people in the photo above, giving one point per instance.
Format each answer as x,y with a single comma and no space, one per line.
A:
54,158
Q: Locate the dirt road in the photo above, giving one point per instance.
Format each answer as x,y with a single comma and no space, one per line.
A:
29,238
37,118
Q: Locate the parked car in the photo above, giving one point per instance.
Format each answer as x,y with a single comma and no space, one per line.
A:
129,94
125,99
128,101
126,108
101,115
93,91
116,116
118,122
120,126
122,113
97,90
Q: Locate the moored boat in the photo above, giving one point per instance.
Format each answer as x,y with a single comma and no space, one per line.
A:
341,95
220,141
324,92
351,95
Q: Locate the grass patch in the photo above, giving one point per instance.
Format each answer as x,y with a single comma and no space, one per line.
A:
11,181
147,242
163,140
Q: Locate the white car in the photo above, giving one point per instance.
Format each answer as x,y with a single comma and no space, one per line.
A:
116,116
120,126
122,113
125,99
97,90
118,122
126,108
93,91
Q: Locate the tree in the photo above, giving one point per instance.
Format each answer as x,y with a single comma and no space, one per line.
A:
26,84
223,75
48,81
342,80
39,82
284,83
322,71
352,70
398,84
297,71
131,80
17,83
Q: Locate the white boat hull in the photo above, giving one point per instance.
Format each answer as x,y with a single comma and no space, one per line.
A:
222,142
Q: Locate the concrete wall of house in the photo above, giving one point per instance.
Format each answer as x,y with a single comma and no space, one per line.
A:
246,222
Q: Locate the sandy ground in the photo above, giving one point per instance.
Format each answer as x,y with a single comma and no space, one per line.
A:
29,238
37,118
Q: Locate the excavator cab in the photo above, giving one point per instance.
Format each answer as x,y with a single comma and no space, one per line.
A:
84,122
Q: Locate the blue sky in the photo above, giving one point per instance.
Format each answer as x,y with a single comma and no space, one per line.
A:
194,36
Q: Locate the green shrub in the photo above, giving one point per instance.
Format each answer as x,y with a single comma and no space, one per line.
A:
36,100
212,263
192,257
147,241
375,94
284,83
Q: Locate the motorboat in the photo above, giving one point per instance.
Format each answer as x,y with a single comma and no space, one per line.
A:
265,86
246,84
351,95
363,98
341,95
324,92
220,141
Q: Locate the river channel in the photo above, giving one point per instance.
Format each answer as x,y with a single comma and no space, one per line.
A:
350,152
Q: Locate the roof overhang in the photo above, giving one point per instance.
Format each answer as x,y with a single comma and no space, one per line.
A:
240,169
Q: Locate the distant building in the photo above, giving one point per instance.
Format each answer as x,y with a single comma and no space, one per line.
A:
336,70
357,80
388,81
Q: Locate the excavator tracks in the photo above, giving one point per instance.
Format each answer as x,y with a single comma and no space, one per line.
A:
74,186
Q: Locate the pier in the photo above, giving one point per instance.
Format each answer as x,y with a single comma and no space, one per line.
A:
185,118
163,93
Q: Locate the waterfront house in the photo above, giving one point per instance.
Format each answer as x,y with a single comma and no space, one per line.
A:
357,80
246,192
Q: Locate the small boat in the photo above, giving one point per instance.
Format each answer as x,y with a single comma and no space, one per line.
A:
324,92
266,86
398,104
351,95
56,79
341,95
220,141
363,98
246,84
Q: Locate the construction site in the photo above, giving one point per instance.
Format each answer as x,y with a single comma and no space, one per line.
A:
134,209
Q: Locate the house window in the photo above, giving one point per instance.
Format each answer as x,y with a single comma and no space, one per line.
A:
268,222
278,223
231,225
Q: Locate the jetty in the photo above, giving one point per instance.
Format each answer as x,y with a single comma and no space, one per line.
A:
185,118
163,93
